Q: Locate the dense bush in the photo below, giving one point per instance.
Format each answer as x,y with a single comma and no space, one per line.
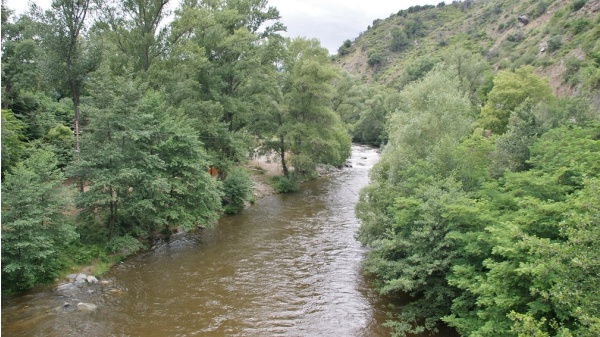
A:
284,184
375,58
554,43
237,188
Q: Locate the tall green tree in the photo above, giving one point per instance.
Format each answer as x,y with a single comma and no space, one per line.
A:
35,229
20,57
530,271
303,128
68,56
13,140
235,39
145,167
136,28
418,196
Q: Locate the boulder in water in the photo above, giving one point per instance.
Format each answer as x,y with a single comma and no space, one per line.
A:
86,307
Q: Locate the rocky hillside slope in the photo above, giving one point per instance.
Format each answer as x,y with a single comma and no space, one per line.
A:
560,38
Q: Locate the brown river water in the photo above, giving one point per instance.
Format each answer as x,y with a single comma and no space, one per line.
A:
289,265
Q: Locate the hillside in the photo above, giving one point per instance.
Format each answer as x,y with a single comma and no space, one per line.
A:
560,38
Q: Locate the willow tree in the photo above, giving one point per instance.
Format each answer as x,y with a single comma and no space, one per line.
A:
299,122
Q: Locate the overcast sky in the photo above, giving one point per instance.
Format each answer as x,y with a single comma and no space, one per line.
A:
330,21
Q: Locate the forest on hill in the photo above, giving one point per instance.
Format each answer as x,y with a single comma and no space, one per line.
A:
484,208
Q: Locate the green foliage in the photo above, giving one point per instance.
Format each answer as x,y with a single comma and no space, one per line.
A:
60,139
237,189
432,111
298,122
572,67
375,58
364,108
145,167
34,226
124,245
509,91
554,43
577,5
529,257
13,140
473,228
399,40
20,51
283,184
345,48
417,70
415,254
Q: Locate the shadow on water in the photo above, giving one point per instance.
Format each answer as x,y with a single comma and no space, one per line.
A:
287,266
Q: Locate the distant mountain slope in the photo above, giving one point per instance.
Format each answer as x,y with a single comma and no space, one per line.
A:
560,38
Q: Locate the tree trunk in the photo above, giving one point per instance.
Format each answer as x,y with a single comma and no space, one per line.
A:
282,153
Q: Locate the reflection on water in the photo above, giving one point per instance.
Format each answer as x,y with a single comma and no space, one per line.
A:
287,266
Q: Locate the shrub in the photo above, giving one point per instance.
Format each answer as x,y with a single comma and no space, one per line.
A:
579,25
541,8
284,184
577,5
375,58
238,189
345,48
554,43
124,244
572,67
399,40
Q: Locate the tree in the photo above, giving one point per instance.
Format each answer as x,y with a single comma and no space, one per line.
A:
530,270
509,91
399,40
306,128
69,58
144,164
416,199
231,44
134,27
13,140
20,57
35,228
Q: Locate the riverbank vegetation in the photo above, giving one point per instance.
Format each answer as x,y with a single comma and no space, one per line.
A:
485,205
122,121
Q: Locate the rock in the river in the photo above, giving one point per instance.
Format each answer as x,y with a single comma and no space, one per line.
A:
71,277
92,280
87,307
66,287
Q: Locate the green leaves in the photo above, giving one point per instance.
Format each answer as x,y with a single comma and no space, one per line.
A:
34,225
298,122
144,164
510,90
486,233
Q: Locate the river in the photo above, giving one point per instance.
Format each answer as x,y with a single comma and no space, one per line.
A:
289,265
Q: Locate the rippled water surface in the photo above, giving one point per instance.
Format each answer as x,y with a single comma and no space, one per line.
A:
287,266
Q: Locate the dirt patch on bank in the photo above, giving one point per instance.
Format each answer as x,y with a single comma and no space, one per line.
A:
262,168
